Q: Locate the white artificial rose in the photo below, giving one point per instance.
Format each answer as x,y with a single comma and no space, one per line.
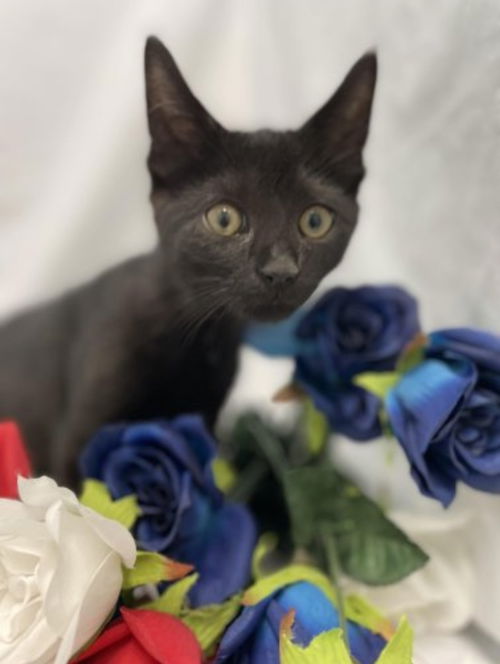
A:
60,573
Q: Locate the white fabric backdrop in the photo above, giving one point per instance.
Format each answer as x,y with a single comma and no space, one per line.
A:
73,186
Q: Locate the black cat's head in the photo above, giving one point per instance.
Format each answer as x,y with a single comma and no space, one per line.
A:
251,222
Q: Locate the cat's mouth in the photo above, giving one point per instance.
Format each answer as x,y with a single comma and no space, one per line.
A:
266,310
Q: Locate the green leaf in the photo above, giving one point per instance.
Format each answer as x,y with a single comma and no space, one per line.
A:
371,548
152,567
360,611
208,623
252,433
174,599
326,648
357,608
96,496
399,650
316,428
225,475
378,383
266,544
284,577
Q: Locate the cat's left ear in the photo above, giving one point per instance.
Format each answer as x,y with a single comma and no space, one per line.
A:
182,131
334,137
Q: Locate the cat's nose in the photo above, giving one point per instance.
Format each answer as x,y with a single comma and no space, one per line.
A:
278,270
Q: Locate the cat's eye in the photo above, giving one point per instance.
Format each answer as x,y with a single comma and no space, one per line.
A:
316,221
224,219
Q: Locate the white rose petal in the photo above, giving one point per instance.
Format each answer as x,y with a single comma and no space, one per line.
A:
60,573
106,582
42,492
115,536
36,646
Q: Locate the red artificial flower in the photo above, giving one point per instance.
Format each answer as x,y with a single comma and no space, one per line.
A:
144,637
14,459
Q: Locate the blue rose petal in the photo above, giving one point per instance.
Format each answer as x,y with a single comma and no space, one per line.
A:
183,438
348,332
423,399
226,555
167,465
159,530
314,611
103,443
265,645
253,638
201,443
418,407
479,346
446,414
241,630
361,329
350,410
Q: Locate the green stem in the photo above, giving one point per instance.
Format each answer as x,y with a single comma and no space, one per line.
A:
270,447
333,562
248,481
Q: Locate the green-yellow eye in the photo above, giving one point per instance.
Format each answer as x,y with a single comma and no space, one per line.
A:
224,219
316,221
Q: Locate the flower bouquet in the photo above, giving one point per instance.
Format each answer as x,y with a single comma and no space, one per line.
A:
182,550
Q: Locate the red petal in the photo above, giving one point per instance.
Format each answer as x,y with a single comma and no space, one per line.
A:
131,652
114,634
164,637
115,645
14,459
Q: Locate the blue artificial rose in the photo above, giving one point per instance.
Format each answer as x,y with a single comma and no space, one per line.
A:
351,410
253,637
167,465
480,347
446,415
352,331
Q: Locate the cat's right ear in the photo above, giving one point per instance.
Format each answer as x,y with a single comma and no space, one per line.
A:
181,130
335,136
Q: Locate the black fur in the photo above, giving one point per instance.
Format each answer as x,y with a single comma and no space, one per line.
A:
158,335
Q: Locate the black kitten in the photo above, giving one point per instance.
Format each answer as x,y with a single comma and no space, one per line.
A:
249,223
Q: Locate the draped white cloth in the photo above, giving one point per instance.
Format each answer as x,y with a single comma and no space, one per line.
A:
73,191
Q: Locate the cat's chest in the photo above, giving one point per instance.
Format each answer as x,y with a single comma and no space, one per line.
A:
181,373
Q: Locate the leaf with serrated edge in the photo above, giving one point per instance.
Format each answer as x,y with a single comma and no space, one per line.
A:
266,544
371,548
173,599
357,609
125,510
208,623
151,567
360,611
399,650
378,383
325,648
284,577
225,475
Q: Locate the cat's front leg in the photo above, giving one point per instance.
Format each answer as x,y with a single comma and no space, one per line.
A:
98,385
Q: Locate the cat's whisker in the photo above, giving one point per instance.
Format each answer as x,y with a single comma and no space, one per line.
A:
200,310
